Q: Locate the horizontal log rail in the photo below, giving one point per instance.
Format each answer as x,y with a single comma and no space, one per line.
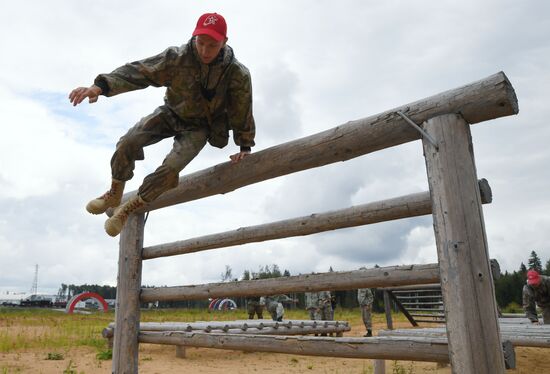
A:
412,205
390,348
519,337
292,330
238,324
341,280
412,288
486,99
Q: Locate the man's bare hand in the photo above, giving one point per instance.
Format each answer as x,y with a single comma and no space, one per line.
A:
238,156
79,94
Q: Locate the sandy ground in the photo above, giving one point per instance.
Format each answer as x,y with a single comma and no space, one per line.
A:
162,360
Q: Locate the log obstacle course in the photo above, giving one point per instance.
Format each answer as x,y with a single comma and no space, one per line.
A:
254,327
518,333
473,338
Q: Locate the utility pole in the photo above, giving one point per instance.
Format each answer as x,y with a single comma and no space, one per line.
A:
34,288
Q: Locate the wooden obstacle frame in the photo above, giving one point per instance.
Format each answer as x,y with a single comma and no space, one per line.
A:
442,121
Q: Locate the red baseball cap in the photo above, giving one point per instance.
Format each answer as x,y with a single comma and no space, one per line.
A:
533,278
211,24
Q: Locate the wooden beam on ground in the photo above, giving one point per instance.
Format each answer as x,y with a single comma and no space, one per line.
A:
486,99
341,280
292,330
237,324
413,205
466,277
519,338
390,348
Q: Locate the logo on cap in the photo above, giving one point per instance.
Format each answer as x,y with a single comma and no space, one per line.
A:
210,20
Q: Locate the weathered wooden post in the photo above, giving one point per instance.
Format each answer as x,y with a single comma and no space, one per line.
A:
466,282
127,314
379,366
387,310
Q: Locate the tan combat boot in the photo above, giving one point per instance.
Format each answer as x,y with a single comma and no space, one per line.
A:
114,225
109,199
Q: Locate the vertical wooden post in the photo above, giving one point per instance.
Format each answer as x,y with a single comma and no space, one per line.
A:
387,309
466,282
127,314
180,351
379,366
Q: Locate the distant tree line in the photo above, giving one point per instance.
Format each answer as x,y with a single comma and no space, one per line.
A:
508,287
67,291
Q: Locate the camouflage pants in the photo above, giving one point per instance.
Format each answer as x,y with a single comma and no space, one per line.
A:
366,314
546,315
161,124
254,307
324,313
276,311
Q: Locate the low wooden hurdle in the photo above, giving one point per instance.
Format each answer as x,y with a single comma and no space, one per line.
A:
250,327
454,200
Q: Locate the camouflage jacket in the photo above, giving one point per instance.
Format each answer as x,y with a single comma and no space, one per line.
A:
312,300
324,299
226,82
364,296
533,296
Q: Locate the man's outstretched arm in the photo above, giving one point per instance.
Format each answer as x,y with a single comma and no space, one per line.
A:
80,93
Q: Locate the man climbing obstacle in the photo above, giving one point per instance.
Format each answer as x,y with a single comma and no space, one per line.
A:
536,292
208,93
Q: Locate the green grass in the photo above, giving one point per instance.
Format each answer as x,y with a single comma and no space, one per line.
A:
55,356
39,328
42,328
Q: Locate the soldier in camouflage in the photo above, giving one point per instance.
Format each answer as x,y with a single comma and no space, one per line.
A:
255,306
325,306
208,93
312,304
537,293
366,299
274,305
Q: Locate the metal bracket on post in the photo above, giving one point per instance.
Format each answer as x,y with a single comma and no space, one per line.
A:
419,129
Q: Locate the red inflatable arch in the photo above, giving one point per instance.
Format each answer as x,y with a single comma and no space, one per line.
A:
85,296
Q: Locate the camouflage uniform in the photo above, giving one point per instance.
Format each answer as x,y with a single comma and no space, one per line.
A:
325,307
274,305
365,299
312,303
537,296
255,306
202,103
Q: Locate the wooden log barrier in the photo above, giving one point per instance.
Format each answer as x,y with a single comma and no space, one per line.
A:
293,330
517,336
236,324
127,312
466,278
389,348
243,326
412,205
486,99
341,280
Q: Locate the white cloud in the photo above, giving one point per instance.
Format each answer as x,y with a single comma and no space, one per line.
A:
314,65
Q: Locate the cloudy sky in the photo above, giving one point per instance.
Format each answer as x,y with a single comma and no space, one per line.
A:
314,65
